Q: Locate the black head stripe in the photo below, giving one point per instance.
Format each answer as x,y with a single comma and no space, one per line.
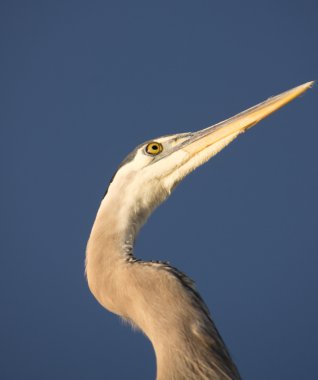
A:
125,161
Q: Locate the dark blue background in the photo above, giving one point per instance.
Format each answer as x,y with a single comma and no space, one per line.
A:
84,82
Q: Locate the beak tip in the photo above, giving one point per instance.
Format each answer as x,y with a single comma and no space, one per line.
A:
295,92
307,85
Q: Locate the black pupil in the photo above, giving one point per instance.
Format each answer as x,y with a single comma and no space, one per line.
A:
154,147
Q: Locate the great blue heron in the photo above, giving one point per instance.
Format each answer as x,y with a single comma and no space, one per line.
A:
155,296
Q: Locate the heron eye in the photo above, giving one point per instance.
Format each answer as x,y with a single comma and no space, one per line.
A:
154,148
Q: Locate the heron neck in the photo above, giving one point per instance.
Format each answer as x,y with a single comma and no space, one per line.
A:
157,298
110,243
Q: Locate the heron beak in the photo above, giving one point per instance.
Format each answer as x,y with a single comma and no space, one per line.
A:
219,135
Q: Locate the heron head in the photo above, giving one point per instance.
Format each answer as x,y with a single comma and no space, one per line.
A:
149,174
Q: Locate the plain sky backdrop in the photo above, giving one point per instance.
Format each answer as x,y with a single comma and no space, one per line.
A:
81,84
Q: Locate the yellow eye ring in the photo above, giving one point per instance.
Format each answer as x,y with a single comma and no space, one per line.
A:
154,148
